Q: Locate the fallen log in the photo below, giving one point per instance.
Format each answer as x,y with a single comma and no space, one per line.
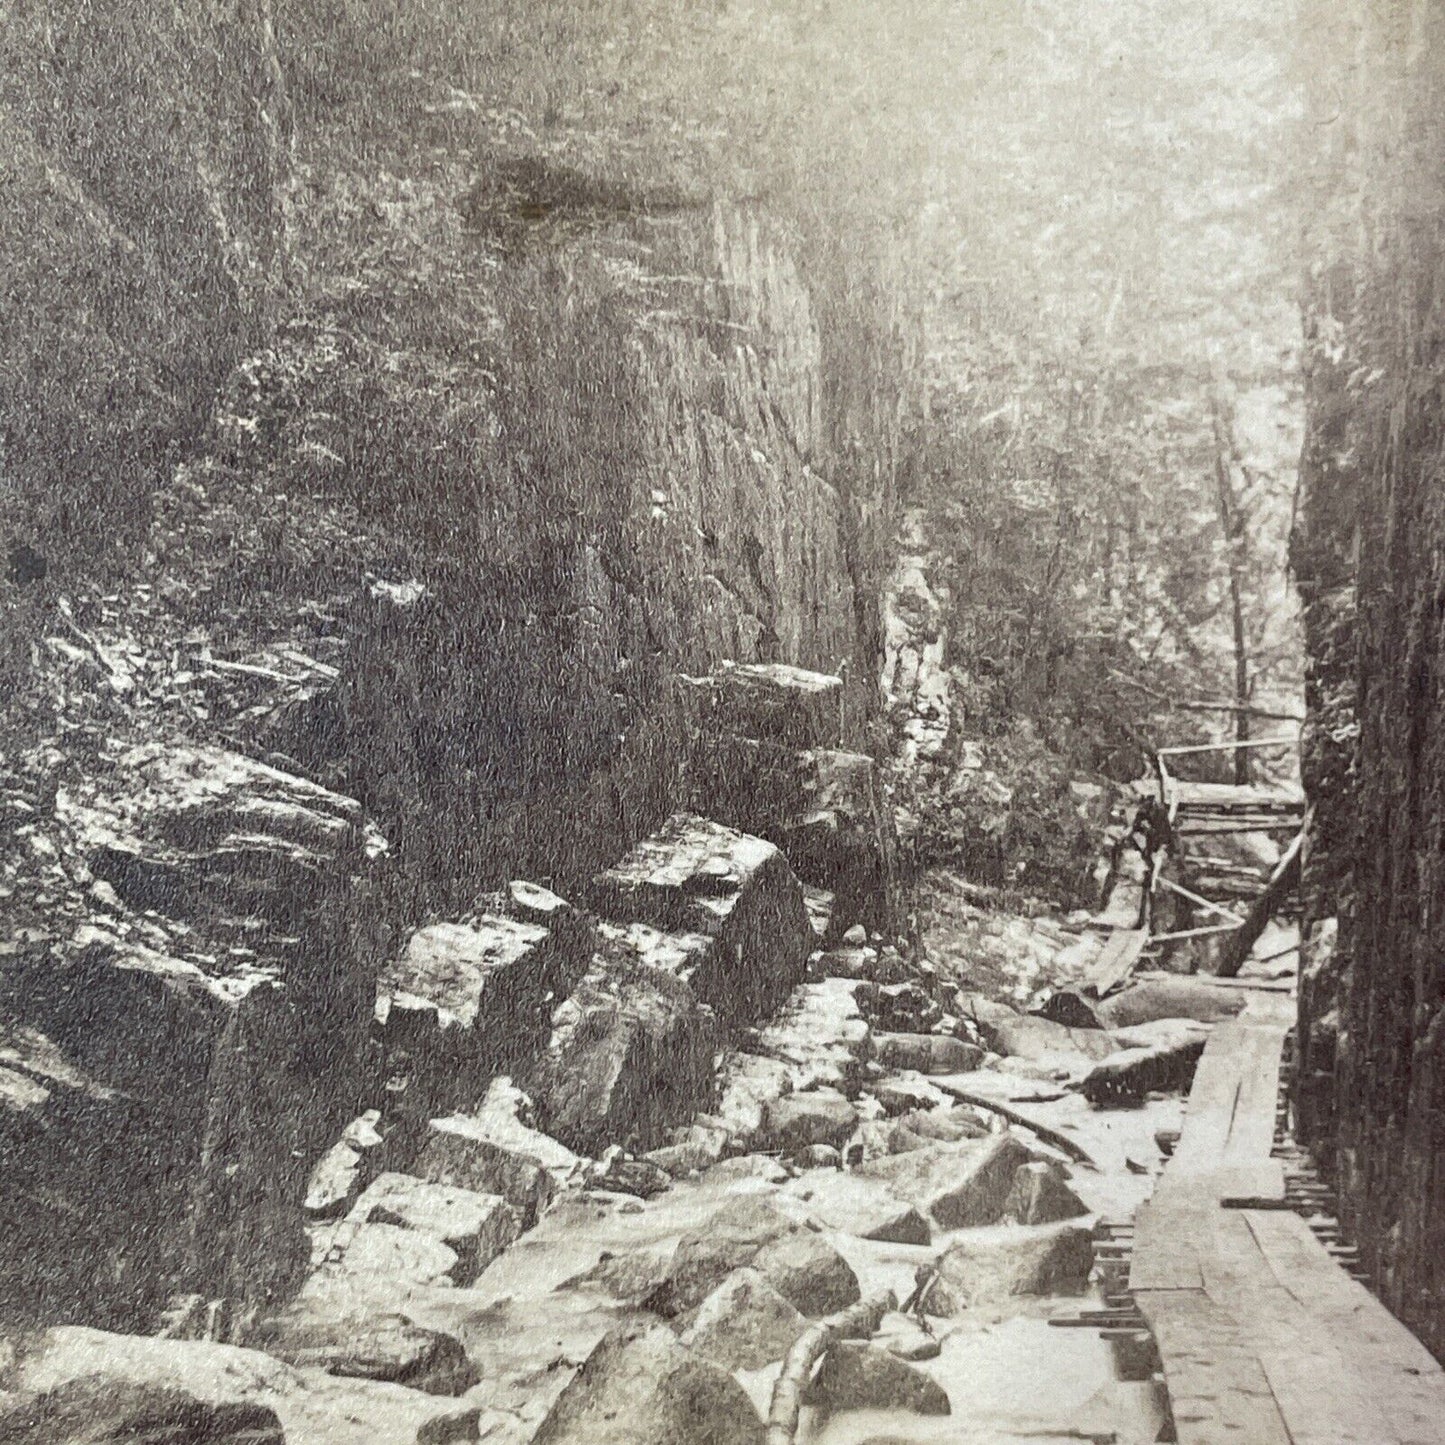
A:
856,1323
1061,1142
1282,881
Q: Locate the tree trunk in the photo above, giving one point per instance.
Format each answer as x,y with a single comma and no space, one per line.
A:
1231,519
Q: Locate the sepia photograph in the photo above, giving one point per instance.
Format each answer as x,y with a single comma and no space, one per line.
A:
722,722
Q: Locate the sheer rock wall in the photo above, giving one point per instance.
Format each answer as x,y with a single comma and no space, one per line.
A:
1368,554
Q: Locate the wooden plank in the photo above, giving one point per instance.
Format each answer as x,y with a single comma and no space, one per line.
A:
1219,830
1116,961
1263,985
1218,1390
1302,1265
1323,1401
1192,897
1164,1257
1263,1337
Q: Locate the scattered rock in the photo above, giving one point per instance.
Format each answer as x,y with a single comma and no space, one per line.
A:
201,832
820,911
698,877
95,1410
631,1056
747,1167
807,1271
379,1259
926,1053
957,1185
899,1096
729,1239
880,1138
902,1336
630,1277
818,1156
641,1386
1069,1007
827,810
857,964
821,1116
862,1377
699,1147
1040,1195
745,1324
839,832
905,1008
476,1227
821,1035
619,1173
1041,1042
946,1126
747,1082
863,1207
987,1266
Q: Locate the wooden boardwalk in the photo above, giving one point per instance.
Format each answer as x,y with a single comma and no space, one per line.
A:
1265,1340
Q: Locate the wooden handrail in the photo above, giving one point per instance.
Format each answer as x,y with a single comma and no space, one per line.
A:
1230,747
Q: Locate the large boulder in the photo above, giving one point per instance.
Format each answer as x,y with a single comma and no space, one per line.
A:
380,1262
1049,1047
747,1083
93,1410
630,1057
697,877
640,1386
749,1230
216,837
1172,998
956,1185
314,1407
862,1207
345,1169
368,1347
861,1377
926,1053
475,1227
493,1151
1041,1195
808,1272
1158,1056
471,999
843,838
727,1240
797,1121
745,1324
988,1266
827,810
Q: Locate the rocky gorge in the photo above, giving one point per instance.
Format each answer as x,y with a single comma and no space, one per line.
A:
587,622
